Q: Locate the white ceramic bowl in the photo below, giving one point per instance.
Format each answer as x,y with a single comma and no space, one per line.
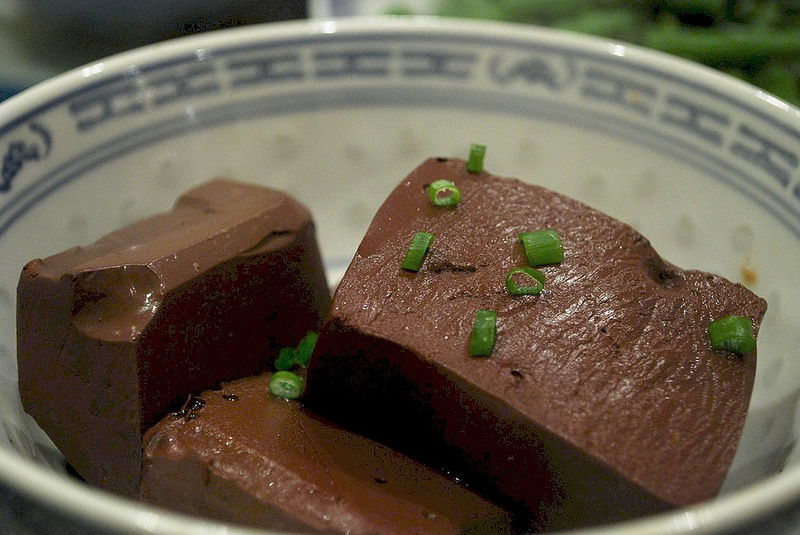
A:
336,113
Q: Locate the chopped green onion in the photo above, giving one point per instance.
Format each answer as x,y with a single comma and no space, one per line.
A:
415,255
286,359
306,348
444,193
481,340
732,333
286,385
289,357
542,247
533,275
475,161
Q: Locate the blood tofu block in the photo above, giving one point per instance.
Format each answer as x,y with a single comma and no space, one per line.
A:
601,398
114,334
243,455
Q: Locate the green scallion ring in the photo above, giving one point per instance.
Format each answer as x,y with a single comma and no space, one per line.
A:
732,333
481,340
475,160
286,385
415,255
306,348
534,275
542,247
286,359
444,193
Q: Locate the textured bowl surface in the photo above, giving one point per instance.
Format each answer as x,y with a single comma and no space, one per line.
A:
336,113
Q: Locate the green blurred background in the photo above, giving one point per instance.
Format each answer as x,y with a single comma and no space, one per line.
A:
755,40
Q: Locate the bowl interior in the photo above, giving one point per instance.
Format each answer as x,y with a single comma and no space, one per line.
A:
337,113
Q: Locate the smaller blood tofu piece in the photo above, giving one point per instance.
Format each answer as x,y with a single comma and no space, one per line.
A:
111,335
601,400
242,455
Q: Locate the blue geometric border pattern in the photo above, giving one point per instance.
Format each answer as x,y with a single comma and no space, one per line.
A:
617,97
